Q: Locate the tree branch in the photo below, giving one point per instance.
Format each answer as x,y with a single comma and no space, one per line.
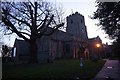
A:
31,4
57,26
46,26
43,25
19,10
7,13
25,22
40,34
25,33
8,23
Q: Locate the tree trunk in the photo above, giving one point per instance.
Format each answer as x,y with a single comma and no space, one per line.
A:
33,51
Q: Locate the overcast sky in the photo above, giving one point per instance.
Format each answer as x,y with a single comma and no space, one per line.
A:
84,7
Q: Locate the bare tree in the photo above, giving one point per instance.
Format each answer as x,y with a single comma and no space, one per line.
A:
30,21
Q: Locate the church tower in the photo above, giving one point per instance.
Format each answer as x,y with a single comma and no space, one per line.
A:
76,26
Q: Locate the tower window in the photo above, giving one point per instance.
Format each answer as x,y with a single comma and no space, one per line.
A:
71,21
82,30
81,21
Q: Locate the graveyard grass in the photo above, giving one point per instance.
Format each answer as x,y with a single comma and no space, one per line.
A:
67,69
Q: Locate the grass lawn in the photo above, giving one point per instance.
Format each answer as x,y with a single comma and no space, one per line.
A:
67,69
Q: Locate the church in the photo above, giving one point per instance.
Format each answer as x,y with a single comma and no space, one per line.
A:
73,43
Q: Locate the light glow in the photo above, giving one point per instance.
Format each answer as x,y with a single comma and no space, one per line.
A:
97,45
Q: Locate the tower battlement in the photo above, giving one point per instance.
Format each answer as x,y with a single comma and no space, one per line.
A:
76,25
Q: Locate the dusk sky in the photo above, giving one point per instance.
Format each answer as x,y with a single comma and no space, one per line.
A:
84,7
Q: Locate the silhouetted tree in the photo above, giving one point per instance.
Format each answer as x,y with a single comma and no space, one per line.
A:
116,48
108,14
31,20
6,53
5,50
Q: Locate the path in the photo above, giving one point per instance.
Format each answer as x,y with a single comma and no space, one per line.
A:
110,71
